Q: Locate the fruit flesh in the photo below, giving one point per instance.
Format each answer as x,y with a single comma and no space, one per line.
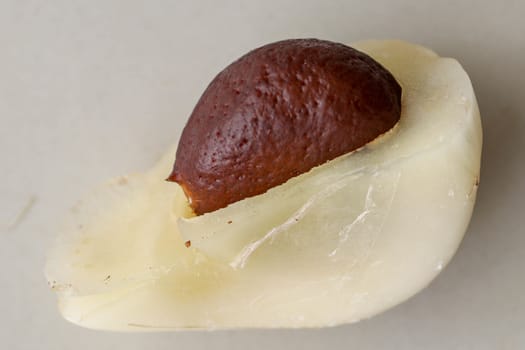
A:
343,242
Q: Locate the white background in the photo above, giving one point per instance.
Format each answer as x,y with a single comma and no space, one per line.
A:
93,89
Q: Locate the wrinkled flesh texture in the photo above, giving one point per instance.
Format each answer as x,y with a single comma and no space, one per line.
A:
276,113
343,242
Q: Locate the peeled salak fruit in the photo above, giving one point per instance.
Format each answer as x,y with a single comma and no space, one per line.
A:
342,242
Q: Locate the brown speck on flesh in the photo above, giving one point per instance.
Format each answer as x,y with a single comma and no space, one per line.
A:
187,244
474,187
107,278
229,221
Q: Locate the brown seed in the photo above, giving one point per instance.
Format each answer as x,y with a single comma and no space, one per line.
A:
277,112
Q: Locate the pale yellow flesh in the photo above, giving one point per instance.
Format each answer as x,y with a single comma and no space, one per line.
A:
343,242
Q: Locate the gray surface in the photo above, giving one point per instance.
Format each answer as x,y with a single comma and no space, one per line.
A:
93,89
